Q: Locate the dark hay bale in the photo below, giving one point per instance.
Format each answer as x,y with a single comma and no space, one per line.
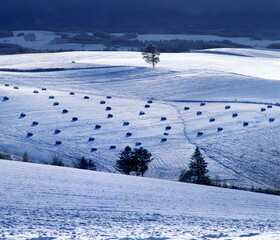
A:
219,129
93,149
269,106
142,113
165,134
112,147
22,115
108,97
73,62
102,102
5,98
147,106
227,107
64,111
44,89
108,108
97,126
234,115
35,91
86,97
150,101
128,134
212,120
198,113
29,134
51,97
16,87
7,85
74,119
271,120
263,109
163,139
138,144
90,139
72,93
57,131
109,115
163,119
125,123
199,134
245,124
202,104
34,123
55,103
58,142
167,127
186,108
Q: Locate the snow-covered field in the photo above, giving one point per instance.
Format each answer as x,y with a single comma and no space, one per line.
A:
245,80
43,202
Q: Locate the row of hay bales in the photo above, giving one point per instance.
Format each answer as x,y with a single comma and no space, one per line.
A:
234,115
97,126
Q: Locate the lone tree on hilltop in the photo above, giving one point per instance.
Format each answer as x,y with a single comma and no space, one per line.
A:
197,170
151,54
136,160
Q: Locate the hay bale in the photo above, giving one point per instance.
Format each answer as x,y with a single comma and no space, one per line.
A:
7,85
212,120
43,89
219,129
72,93
34,123
90,139
73,61
16,87
147,106
125,123
30,134
141,113
57,131
64,111
271,120
202,104
97,126
55,103
163,139
269,106
167,127
227,107
58,142
186,108
5,98
263,109
35,91
93,149
165,134
22,115
234,115
86,97
108,97
112,147
198,113
74,119
128,134
102,102
199,134
108,108
109,115
138,144
150,101
245,124
51,97
163,119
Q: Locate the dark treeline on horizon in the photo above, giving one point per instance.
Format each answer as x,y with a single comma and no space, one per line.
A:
144,16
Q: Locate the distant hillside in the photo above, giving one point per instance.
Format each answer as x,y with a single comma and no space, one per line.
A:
232,16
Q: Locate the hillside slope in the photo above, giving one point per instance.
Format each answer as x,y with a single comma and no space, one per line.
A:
47,202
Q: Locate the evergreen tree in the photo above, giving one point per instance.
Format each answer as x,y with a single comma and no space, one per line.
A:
197,170
25,157
143,158
86,164
57,161
126,163
151,54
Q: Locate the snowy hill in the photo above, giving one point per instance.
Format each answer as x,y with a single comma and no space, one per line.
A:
217,83
47,202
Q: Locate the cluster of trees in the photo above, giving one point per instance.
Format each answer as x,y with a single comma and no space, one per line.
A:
134,161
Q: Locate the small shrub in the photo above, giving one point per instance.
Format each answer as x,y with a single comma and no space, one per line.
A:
5,156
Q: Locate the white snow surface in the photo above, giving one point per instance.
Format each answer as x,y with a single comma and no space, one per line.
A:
47,202
245,79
